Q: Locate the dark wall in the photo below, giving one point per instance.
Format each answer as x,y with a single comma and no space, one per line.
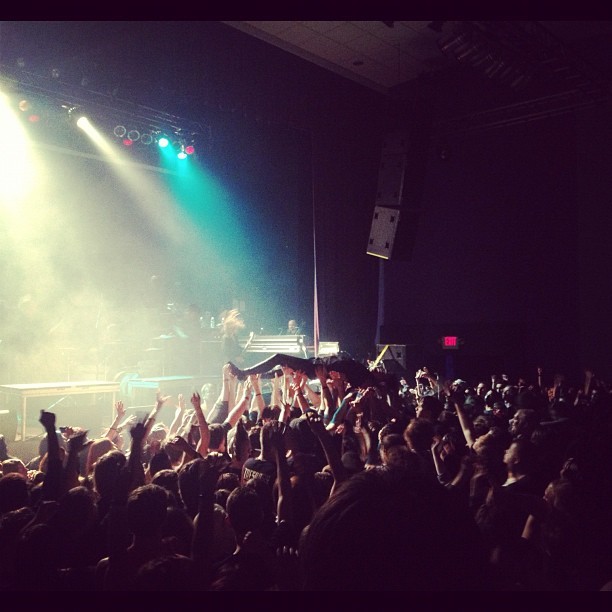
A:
495,260
510,251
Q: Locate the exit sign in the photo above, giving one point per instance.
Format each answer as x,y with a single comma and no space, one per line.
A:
450,342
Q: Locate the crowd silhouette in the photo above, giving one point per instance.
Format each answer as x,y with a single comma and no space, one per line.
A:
322,475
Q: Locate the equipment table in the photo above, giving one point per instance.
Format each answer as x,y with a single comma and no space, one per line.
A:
24,391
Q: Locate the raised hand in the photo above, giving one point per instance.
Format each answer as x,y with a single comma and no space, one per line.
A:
160,400
276,432
120,408
196,401
321,372
47,420
129,422
316,423
138,432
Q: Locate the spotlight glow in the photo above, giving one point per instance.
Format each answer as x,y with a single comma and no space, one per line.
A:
163,142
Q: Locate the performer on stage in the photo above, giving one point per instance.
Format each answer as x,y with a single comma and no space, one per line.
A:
356,373
231,324
293,328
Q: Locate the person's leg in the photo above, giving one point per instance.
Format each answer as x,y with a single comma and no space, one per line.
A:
278,359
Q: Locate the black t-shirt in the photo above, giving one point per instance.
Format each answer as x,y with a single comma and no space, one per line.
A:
259,468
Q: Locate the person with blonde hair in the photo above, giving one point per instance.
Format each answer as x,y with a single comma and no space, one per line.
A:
232,324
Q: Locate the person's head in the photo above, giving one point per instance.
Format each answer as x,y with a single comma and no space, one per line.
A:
481,389
292,326
228,480
520,457
523,422
76,513
232,322
146,510
14,466
429,407
419,435
388,442
43,445
3,448
245,511
159,461
429,545
14,493
106,472
97,448
189,485
168,479
218,440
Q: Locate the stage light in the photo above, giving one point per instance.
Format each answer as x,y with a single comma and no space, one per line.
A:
83,123
55,73
190,149
127,142
146,138
163,142
133,135
119,131
181,154
25,107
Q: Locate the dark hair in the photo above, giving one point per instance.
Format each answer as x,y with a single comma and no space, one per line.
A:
431,544
245,510
217,435
146,509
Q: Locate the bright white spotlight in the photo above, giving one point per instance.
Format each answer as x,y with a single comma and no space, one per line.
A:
83,123
17,173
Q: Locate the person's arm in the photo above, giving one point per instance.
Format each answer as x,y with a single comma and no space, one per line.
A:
337,387
185,426
258,400
51,487
327,401
242,444
225,401
465,423
189,452
313,397
113,430
71,469
276,398
159,402
204,440
135,469
117,530
179,411
202,549
239,409
436,448
284,509
332,454
299,382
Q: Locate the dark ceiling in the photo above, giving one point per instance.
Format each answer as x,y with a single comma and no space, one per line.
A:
522,69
